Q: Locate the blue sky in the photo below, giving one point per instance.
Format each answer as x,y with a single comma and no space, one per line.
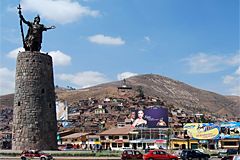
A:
97,41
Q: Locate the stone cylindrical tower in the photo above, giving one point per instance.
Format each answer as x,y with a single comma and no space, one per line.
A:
34,115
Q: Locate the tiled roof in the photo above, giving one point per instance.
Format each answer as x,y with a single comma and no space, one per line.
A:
117,131
75,135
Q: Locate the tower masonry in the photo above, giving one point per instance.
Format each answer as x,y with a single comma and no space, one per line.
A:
34,115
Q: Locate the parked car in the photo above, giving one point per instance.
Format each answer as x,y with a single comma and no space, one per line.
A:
131,154
222,153
190,154
31,154
232,151
159,154
231,157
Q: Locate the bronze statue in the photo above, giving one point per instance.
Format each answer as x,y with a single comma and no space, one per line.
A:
33,39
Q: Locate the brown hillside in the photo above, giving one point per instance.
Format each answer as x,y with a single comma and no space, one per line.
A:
6,101
171,92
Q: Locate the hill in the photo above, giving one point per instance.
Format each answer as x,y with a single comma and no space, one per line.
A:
135,93
170,92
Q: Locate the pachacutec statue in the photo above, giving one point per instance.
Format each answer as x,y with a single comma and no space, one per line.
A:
33,39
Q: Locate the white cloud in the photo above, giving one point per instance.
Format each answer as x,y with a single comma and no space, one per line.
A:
233,82
206,63
7,81
234,60
125,75
60,11
228,79
59,58
147,39
238,71
84,79
13,54
106,40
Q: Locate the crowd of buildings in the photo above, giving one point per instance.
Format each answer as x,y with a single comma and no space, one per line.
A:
106,123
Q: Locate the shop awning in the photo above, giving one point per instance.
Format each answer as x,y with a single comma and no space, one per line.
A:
119,141
135,141
160,141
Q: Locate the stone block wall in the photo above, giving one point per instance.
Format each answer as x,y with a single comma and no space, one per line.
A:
34,115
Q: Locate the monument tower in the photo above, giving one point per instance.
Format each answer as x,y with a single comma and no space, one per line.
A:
34,115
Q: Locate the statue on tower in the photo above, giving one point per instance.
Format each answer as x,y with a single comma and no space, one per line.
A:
33,39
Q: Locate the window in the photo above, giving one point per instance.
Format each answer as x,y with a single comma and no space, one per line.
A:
126,144
137,152
183,146
102,137
162,152
194,145
119,145
19,103
129,152
125,137
110,137
230,143
114,145
116,137
176,145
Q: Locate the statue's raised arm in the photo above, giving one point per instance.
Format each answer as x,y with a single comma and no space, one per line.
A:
33,39
51,27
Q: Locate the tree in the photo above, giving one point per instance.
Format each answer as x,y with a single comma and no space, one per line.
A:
169,132
140,92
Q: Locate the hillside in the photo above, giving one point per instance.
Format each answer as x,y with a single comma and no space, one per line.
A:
170,92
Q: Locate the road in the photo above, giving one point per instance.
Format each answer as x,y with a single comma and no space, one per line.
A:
84,158
68,158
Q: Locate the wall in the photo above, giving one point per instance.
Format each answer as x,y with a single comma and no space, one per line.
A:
34,116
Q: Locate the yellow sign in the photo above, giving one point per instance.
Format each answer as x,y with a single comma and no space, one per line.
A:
97,142
201,130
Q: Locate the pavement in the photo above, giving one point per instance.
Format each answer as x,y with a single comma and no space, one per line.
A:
68,158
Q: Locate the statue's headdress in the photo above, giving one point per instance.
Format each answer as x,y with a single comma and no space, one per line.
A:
37,17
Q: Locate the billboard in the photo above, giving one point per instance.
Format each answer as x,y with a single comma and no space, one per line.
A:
151,117
202,130
229,130
62,110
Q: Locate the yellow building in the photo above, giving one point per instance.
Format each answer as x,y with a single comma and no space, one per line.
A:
84,140
178,143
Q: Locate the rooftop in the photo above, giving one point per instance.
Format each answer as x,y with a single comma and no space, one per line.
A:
117,131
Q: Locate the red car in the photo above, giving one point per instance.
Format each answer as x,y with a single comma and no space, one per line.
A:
131,154
159,154
35,154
